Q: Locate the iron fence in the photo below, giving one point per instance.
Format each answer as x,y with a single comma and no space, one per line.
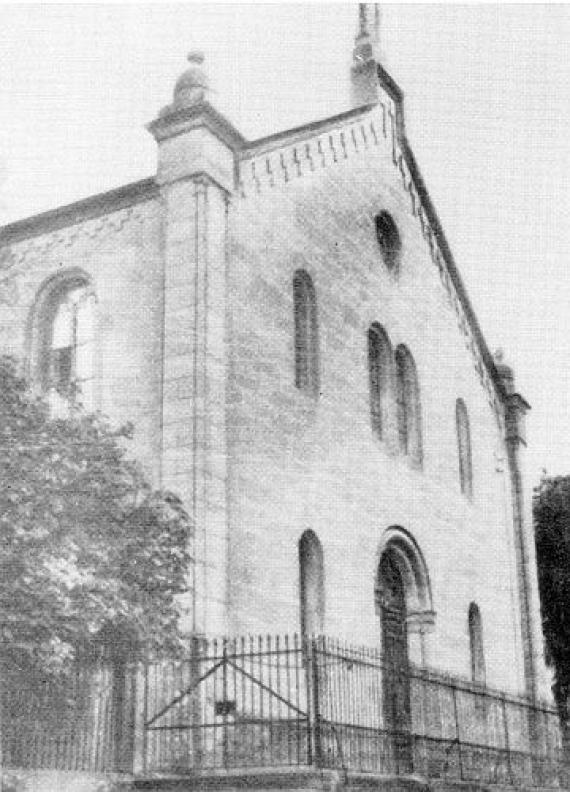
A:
272,701
233,703
60,724
283,701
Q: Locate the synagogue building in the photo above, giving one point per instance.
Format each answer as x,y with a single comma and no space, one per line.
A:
284,323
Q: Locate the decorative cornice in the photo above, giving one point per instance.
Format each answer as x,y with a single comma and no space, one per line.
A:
176,121
281,159
32,247
269,162
79,211
442,257
389,84
300,133
285,157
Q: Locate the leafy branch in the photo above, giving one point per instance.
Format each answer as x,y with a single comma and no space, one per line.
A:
88,549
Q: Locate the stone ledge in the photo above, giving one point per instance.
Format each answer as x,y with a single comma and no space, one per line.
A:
26,780
302,779
306,779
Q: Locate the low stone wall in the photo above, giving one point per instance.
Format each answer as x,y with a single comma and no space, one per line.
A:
305,780
257,780
17,780
270,780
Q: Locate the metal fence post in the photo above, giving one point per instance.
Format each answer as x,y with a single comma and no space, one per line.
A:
535,740
457,734
144,762
314,697
225,751
119,732
123,713
198,647
507,741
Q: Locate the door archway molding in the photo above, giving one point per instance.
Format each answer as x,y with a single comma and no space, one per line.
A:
405,553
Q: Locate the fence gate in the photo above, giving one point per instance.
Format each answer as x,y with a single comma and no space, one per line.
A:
229,704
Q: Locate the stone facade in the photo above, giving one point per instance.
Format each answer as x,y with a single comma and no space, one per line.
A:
303,463
195,343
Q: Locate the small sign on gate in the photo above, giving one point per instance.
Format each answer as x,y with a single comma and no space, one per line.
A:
224,707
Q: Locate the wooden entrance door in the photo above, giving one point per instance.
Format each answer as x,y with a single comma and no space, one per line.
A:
396,687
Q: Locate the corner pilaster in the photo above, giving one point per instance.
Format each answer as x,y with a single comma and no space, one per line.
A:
516,408
196,175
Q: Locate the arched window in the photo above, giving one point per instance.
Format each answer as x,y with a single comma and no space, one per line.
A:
464,448
380,370
312,589
306,334
62,340
476,644
388,239
408,405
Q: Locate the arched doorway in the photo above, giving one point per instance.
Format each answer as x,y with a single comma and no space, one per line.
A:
403,601
396,686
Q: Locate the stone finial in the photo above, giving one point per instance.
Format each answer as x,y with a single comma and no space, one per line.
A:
505,371
193,85
366,56
367,40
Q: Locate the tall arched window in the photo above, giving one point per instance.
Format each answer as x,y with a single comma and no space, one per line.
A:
306,334
388,239
312,588
380,370
464,448
62,340
476,644
408,405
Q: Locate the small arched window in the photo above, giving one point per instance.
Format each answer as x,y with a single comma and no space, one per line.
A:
388,238
408,405
464,448
476,644
312,590
307,377
379,369
63,340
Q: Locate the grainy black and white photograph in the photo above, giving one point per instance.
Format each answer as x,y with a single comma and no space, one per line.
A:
284,397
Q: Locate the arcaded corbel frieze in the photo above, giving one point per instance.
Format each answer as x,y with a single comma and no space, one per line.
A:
296,160
28,251
292,161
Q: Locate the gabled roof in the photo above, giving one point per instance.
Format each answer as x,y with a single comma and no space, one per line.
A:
147,189
300,133
398,97
86,209
290,141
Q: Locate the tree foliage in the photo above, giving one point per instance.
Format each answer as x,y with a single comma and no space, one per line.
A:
551,507
87,547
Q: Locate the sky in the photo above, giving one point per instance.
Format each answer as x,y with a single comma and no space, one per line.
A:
487,114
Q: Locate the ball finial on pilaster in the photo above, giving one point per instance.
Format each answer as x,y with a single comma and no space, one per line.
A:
192,86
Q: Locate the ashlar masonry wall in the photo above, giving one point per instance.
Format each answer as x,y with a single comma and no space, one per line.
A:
284,462
300,463
119,251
